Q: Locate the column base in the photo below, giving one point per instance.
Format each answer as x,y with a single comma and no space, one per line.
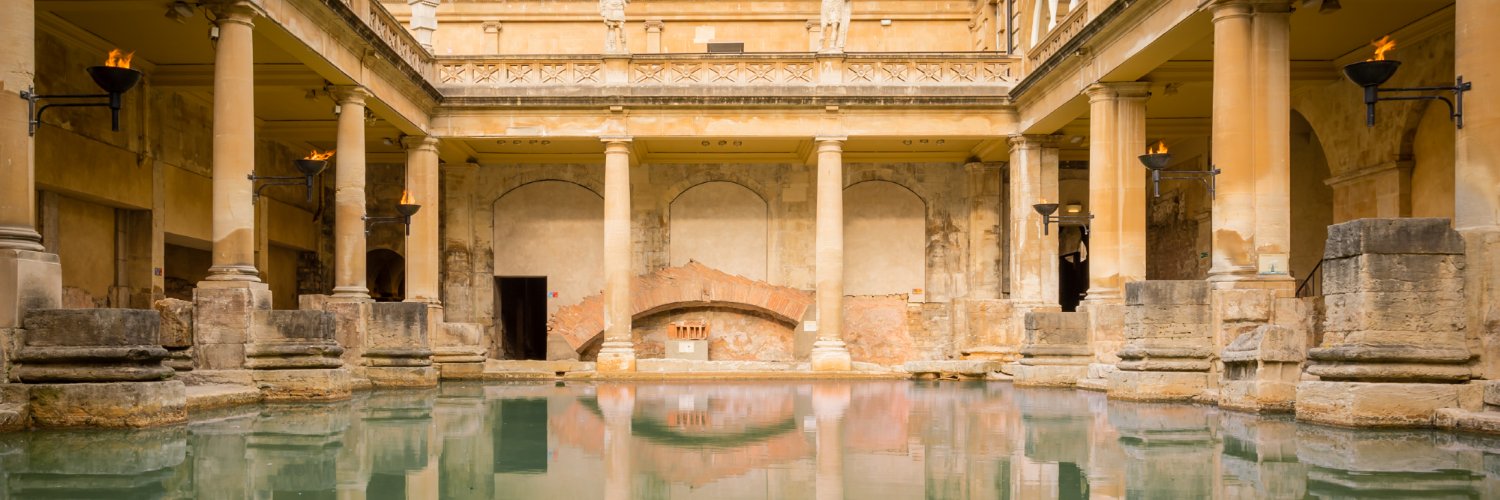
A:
830,356
615,356
402,376
304,385
108,405
223,317
28,280
1130,385
1382,404
233,273
350,294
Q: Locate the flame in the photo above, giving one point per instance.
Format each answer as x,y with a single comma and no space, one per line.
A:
319,155
1159,148
1383,45
118,59
406,198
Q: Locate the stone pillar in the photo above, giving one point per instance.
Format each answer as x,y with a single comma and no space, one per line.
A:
829,352
1271,126
1033,255
225,302
423,21
234,147
349,196
29,277
1477,170
1168,350
422,249
1394,327
618,352
1117,189
1233,110
398,351
653,36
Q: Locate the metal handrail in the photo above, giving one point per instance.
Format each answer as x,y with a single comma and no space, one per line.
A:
1308,281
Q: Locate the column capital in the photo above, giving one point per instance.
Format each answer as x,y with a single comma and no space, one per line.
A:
1033,141
654,26
616,144
1229,9
234,11
432,3
348,94
830,142
1100,91
419,142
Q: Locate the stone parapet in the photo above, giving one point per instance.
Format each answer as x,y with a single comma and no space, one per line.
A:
97,368
1055,351
1168,347
1394,348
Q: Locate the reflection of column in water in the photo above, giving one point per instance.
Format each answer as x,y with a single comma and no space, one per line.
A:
397,427
1344,463
1106,465
219,462
829,402
617,402
352,472
466,457
1259,457
117,464
1057,429
1169,449
293,450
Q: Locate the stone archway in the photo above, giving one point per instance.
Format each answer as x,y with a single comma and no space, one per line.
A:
385,275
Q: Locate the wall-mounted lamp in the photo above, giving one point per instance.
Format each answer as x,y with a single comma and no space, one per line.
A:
407,207
115,77
1374,72
310,167
1156,160
1047,209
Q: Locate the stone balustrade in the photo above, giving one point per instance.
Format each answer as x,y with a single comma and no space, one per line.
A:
1070,26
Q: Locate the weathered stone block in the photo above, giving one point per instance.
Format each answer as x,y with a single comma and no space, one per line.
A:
90,345
222,310
1056,350
1375,404
292,339
35,278
350,327
1392,236
1167,341
1157,385
1261,370
304,384
110,405
176,322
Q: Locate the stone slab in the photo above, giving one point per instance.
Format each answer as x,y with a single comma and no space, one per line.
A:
303,385
972,367
108,405
402,376
1050,375
1157,386
1380,404
211,396
1392,236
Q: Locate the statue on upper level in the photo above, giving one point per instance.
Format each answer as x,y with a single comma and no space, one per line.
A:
835,24
613,12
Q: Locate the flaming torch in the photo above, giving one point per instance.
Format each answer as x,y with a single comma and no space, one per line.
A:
406,208
1157,159
309,166
1371,73
115,77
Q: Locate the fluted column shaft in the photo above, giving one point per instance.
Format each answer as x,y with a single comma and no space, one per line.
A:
234,147
349,197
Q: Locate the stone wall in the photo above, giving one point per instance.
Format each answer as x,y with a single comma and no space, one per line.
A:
485,235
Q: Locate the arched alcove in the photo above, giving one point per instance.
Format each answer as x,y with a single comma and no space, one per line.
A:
721,225
885,239
552,229
385,275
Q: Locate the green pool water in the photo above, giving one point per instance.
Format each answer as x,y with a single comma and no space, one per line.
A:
728,440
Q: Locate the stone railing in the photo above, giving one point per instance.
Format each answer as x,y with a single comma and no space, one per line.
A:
729,70
1063,32
394,34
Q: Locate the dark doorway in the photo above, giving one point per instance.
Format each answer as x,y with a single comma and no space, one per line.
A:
1073,274
522,304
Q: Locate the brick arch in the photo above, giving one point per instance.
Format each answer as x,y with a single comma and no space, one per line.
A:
692,285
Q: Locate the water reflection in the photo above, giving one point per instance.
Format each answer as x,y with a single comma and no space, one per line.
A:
821,440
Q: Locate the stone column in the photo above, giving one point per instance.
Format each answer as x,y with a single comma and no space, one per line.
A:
1117,189
618,352
1477,171
234,147
349,195
829,352
1271,124
29,277
422,257
1233,110
423,21
653,36
1033,256
225,303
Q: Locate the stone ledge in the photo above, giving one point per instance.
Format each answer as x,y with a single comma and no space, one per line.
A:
211,396
1381,404
966,367
1456,419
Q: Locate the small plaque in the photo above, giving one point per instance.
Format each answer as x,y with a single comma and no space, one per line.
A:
685,347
